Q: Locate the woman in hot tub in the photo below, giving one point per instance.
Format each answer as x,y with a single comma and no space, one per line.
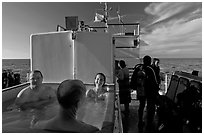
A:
98,92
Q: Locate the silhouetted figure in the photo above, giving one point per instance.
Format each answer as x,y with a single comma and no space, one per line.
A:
10,79
17,79
155,66
195,72
144,81
124,89
70,94
4,79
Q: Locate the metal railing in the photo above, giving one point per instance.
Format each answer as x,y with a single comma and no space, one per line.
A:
118,126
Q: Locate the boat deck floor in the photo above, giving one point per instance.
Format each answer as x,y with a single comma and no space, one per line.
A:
130,123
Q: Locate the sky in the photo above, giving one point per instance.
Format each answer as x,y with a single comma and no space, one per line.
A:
171,30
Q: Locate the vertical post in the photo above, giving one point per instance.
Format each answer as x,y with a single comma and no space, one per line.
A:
138,39
113,47
106,17
74,55
165,84
138,35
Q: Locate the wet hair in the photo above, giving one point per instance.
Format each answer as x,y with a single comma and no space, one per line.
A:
122,63
147,60
70,92
103,77
38,71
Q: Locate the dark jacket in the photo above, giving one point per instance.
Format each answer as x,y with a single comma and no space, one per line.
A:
150,84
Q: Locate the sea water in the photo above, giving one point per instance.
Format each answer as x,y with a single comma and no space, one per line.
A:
172,64
166,64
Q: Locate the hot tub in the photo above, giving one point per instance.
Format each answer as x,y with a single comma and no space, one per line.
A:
97,114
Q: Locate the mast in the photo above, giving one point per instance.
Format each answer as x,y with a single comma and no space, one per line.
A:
106,17
119,19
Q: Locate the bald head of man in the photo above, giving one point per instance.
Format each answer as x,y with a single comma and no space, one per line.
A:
70,92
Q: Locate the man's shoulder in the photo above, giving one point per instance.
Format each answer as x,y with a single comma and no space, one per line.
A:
120,71
138,65
138,68
150,68
46,88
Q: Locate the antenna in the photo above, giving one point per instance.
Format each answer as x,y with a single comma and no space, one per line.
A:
119,18
106,16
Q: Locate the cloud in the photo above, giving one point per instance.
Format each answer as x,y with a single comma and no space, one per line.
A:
176,28
163,11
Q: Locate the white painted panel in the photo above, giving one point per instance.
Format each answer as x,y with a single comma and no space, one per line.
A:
93,54
52,54
122,53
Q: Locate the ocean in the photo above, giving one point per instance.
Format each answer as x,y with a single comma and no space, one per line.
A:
167,65
21,66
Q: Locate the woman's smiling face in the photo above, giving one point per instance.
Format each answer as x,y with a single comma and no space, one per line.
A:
99,80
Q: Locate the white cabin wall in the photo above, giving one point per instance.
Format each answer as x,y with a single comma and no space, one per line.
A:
52,54
60,57
93,54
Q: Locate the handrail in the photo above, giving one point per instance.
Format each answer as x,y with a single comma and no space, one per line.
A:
118,118
59,26
189,76
126,47
13,87
123,23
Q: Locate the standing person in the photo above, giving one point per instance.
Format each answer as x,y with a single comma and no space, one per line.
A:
155,66
10,79
145,82
124,90
137,83
4,79
70,95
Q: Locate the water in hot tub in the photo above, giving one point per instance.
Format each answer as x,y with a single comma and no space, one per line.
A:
90,112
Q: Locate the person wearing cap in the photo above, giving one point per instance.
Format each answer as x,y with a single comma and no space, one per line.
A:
70,94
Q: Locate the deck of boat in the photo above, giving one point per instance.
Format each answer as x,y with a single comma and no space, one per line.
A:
130,124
